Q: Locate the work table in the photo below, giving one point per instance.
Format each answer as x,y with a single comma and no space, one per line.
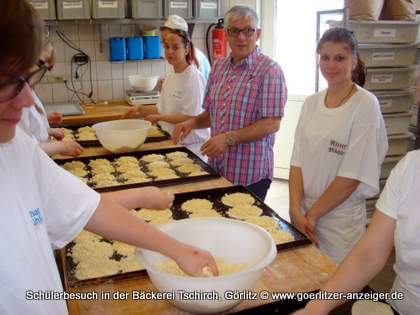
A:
101,111
300,269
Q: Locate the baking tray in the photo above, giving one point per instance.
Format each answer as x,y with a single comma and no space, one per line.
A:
138,154
65,108
177,214
70,281
96,143
215,195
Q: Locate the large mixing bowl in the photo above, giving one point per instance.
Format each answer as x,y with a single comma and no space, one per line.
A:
233,240
124,135
143,83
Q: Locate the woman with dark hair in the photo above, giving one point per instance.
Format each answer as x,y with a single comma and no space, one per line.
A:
183,89
33,218
340,144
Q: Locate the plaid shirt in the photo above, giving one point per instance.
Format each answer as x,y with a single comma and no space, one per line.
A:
236,97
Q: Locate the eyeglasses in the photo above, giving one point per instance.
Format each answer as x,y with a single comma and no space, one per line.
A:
11,88
234,32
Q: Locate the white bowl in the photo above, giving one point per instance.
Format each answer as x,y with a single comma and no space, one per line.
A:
233,240
143,83
124,135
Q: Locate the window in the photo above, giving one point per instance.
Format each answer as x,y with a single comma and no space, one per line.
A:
295,40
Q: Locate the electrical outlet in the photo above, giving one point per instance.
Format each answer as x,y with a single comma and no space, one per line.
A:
56,78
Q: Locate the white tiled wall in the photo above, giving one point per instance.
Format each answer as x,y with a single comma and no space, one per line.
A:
110,79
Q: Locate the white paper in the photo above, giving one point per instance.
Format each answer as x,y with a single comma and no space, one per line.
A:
384,32
178,5
385,103
209,5
40,5
108,4
382,78
72,4
385,55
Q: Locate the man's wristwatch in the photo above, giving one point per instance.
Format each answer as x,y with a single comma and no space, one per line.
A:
229,139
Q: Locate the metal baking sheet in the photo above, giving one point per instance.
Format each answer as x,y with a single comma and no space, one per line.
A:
138,154
215,195
66,109
96,143
68,268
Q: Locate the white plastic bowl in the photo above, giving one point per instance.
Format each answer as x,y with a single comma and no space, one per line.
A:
124,135
233,240
143,83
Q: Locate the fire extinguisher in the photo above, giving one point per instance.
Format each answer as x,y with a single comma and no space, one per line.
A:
218,41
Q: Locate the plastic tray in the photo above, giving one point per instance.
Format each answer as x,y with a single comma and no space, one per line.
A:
398,144
398,101
388,78
388,55
397,32
397,123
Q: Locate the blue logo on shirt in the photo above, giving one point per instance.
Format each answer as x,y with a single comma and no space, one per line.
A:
36,216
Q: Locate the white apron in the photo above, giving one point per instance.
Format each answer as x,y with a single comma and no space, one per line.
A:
340,229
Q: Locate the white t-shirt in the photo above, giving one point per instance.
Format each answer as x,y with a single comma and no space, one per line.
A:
400,200
42,206
348,141
35,123
183,93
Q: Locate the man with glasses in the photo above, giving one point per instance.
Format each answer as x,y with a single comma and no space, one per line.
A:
244,104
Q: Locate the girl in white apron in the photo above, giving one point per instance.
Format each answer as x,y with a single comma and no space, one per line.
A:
340,143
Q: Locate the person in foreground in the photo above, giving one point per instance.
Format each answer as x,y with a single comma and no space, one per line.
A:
396,222
36,220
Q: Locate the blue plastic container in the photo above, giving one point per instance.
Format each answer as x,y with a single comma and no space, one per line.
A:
134,48
117,49
152,48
